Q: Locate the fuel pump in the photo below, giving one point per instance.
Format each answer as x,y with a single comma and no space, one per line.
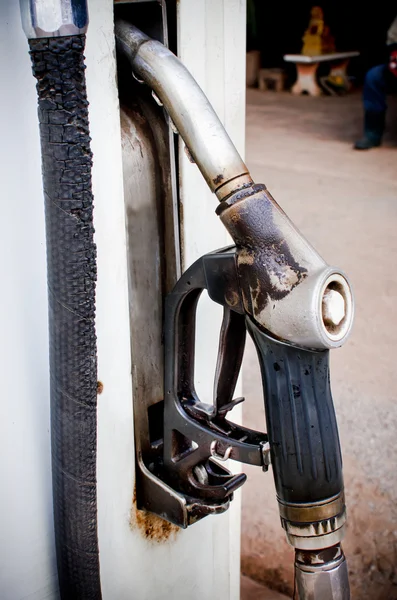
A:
296,308
271,283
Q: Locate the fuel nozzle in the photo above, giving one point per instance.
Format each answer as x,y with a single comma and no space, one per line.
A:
321,574
296,308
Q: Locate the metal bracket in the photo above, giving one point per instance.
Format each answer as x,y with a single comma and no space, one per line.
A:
183,481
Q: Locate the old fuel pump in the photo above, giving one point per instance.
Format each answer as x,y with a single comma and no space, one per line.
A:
271,283
295,307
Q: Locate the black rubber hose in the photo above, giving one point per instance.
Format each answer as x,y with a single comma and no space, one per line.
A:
58,65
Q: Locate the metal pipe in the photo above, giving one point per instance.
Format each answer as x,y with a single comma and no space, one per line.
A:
203,133
322,575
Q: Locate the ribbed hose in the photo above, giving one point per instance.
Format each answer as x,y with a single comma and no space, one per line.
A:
58,65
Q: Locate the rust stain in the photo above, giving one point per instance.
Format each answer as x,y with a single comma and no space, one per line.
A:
181,227
218,179
232,298
188,154
235,217
151,526
99,387
246,257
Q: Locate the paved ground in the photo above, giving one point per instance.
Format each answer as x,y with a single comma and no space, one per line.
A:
345,202
251,590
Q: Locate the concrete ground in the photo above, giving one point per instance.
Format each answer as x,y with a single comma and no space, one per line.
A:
345,203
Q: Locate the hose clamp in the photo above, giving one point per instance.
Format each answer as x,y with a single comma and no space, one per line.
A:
53,18
316,525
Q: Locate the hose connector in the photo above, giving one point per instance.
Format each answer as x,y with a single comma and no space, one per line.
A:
53,18
322,575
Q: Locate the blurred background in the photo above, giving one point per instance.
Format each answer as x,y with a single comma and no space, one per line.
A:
345,203
277,28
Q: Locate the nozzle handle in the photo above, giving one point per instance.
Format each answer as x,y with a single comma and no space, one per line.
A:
301,422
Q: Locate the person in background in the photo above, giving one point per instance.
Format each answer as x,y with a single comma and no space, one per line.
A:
379,81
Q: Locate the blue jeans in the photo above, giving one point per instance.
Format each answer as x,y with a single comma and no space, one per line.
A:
377,84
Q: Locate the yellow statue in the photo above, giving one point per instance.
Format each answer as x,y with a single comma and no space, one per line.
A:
317,39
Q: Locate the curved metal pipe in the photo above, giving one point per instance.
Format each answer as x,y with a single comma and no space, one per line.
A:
203,133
